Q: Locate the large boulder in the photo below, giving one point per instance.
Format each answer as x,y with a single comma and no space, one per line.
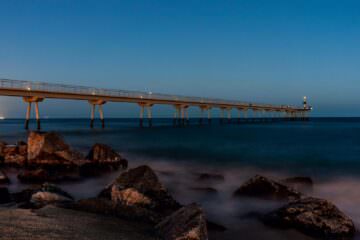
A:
140,189
262,187
187,223
315,217
50,149
102,158
2,147
103,154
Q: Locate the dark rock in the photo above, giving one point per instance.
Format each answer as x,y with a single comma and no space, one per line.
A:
187,223
24,196
15,155
262,187
140,188
210,177
105,155
2,147
300,184
315,217
206,190
3,178
5,196
50,149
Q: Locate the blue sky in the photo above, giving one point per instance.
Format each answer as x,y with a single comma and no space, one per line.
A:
252,50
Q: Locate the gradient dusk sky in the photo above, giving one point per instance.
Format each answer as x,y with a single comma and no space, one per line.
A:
252,50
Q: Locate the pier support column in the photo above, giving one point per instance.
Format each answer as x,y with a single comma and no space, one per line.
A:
149,114
141,117
222,115
93,104
29,101
246,114
209,115
187,116
228,115
239,115
92,117
37,115
28,113
101,113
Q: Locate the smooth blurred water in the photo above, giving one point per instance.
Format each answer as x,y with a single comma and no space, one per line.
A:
318,147
326,149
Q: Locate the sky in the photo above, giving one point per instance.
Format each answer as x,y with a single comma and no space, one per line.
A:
251,50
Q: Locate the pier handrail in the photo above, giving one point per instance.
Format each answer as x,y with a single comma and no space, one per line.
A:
91,91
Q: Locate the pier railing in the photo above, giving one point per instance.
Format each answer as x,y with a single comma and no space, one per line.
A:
81,90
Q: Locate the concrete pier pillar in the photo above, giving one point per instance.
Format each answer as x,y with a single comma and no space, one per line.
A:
37,115
149,115
101,113
228,115
221,115
182,112
201,119
92,117
209,115
187,116
28,113
246,115
141,117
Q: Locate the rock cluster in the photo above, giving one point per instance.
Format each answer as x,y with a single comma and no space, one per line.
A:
47,157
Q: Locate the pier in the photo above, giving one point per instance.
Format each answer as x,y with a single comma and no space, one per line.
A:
33,93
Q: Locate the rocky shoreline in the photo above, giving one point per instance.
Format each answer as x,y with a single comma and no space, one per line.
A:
137,196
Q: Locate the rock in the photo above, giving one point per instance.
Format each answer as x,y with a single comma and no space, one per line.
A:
187,223
105,155
2,147
50,149
301,184
206,190
40,196
15,155
140,188
315,217
5,196
210,177
3,178
262,187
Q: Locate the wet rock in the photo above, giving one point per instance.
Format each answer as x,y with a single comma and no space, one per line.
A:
262,187
105,155
315,217
3,178
24,196
210,177
301,184
205,190
50,149
5,196
15,155
187,223
213,226
140,189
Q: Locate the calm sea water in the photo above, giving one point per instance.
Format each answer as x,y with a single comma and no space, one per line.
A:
326,149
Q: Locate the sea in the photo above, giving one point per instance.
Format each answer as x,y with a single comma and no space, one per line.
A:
325,149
